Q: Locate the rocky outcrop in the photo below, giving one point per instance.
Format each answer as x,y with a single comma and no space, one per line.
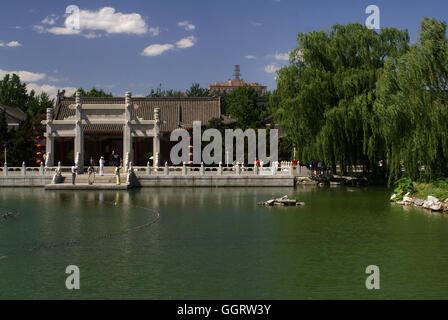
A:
283,201
431,203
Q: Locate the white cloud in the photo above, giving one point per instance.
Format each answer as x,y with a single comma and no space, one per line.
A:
108,20
91,35
271,68
39,28
13,44
25,76
249,57
186,42
105,19
279,56
62,31
154,31
49,89
282,56
156,49
50,20
32,77
186,25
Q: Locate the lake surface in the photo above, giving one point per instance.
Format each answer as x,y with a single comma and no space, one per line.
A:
216,243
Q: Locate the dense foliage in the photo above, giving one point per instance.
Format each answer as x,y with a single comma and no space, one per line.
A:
13,93
242,103
196,91
20,143
412,106
94,93
159,92
324,98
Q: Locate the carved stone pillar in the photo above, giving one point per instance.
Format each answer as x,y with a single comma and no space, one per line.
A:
49,146
156,139
79,134
127,135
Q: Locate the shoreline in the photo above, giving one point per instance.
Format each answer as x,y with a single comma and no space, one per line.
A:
431,196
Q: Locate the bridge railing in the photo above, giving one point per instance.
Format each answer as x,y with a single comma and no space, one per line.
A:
212,171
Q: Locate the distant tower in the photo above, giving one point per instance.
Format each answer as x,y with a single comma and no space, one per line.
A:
236,73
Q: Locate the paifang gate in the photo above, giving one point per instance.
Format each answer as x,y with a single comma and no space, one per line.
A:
82,129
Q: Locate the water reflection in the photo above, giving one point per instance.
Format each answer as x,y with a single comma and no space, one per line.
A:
218,243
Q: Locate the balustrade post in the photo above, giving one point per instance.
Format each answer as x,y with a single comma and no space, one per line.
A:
148,169
202,172
220,168
166,168
23,169
184,169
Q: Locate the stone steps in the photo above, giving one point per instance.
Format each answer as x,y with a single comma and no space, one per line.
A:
84,178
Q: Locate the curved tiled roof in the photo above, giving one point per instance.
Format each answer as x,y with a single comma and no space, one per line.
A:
174,111
13,114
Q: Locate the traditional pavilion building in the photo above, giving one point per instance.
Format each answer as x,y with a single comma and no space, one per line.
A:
224,87
14,116
79,129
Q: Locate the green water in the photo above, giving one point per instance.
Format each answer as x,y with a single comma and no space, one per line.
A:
218,244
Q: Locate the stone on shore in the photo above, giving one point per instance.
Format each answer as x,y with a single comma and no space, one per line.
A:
432,203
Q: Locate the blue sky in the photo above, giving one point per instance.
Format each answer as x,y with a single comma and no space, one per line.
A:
120,45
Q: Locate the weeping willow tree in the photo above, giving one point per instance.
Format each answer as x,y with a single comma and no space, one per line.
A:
412,106
325,96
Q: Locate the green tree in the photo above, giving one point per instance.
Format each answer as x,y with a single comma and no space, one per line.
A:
159,92
324,98
37,105
13,93
196,91
412,106
242,103
21,146
3,128
94,93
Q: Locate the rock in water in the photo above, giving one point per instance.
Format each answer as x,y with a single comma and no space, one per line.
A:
283,201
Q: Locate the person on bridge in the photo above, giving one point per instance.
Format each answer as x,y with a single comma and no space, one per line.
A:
115,158
91,174
117,175
102,166
74,169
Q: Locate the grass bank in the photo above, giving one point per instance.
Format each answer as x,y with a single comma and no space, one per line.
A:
422,190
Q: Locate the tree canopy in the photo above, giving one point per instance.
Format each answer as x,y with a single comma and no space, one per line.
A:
94,93
13,93
412,106
195,90
159,92
325,96
243,104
